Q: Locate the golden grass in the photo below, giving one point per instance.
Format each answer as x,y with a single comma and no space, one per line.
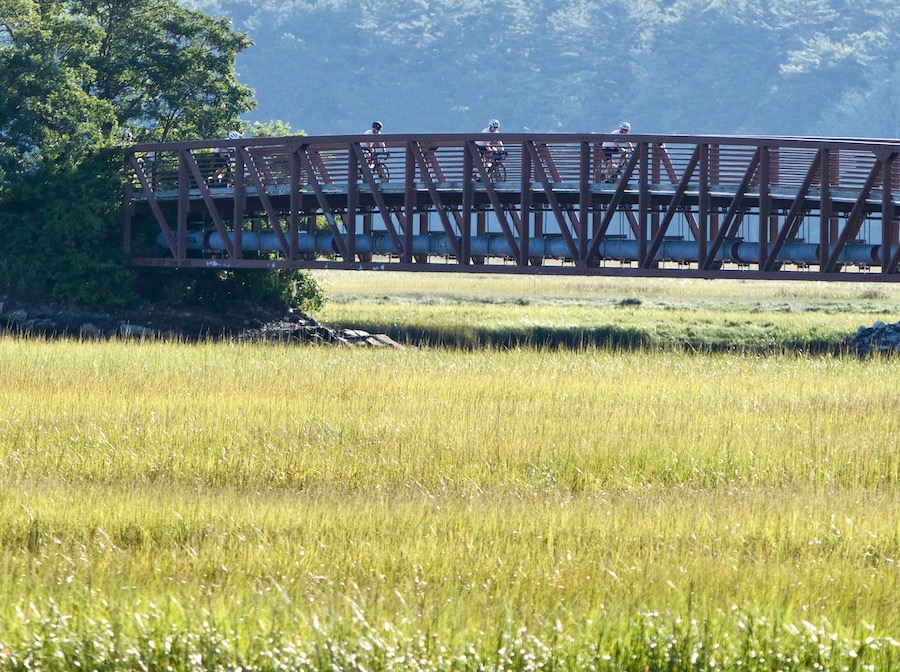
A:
456,492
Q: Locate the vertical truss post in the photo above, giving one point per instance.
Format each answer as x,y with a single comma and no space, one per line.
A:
525,204
703,205
237,212
887,211
367,218
183,206
423,231
643,201
715,163
765,205
352,212
774,181
311,224
468,202
834,177
409,200
825,209
294,214
584,204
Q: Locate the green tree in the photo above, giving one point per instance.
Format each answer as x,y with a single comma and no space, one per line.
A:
61,235
167,70
73,74
48,121
275,128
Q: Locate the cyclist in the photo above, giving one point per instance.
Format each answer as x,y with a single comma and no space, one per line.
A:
613,150
369,148
488,147
222,159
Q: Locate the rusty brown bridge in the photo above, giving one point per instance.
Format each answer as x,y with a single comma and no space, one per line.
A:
693,206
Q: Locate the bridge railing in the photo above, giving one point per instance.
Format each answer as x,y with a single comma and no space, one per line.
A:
708,191
562,161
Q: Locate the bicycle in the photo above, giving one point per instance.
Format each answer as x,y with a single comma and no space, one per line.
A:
493,162
377,165
496,170
618,166
223,175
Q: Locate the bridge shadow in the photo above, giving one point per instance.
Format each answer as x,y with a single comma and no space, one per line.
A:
604,337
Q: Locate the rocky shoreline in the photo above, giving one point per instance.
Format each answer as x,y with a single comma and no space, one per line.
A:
241,321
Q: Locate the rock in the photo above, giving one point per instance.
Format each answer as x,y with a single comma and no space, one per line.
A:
89,330
384,339
44,325
126,329
880,337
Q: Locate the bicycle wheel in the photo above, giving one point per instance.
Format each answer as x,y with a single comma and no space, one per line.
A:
381,172
498,172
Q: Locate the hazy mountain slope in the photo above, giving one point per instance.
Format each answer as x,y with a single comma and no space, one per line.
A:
822,67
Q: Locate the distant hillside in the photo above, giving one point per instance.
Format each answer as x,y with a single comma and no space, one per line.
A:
816,67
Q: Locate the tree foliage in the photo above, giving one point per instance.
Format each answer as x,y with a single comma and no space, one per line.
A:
47,119
74,76
61,235
816,67
167,70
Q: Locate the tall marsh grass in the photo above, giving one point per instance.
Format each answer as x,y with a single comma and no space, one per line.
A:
221,506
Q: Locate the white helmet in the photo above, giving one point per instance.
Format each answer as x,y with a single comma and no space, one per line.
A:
233,135
624,126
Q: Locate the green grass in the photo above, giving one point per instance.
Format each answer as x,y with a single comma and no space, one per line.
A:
219,506
724,315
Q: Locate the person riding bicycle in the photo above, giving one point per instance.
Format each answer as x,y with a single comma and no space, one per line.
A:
612,151
370,148
489,148
222,159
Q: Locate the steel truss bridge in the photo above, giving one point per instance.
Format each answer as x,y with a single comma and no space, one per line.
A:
693,206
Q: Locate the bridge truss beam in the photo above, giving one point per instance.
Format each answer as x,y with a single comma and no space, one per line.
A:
700,206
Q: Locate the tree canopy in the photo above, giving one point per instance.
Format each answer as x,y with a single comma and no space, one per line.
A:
75,75
816,67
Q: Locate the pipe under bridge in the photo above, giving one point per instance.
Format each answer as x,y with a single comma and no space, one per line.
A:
695,206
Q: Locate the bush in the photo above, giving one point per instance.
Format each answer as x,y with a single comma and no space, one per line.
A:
60,235
274,288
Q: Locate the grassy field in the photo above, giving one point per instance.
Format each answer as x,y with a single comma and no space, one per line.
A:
723,315
249,506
